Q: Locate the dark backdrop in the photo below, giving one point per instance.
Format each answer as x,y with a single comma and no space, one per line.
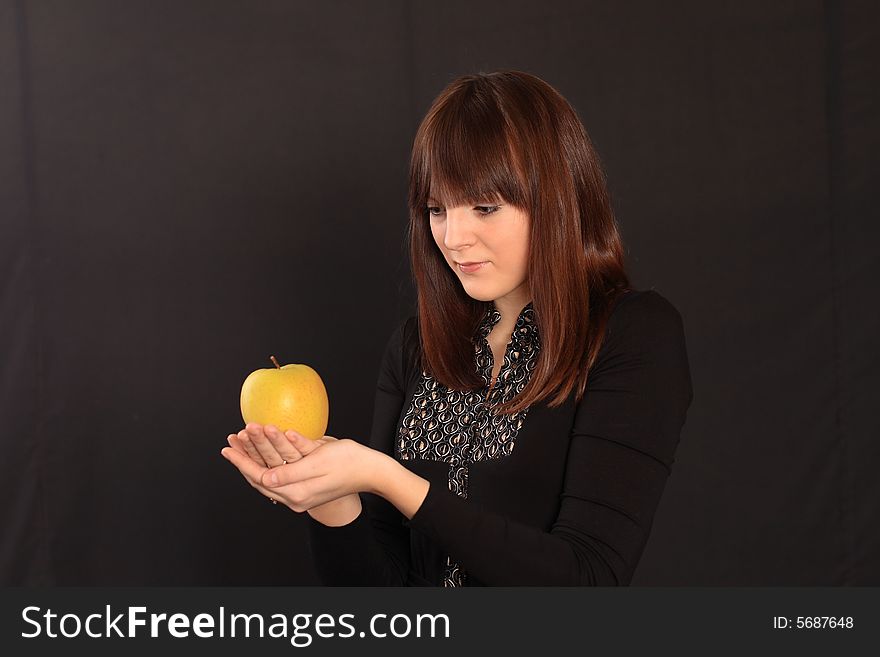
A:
188,187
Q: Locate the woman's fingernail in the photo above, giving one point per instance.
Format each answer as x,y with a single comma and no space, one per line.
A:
273,478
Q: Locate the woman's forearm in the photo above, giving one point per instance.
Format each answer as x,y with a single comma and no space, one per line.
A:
404,489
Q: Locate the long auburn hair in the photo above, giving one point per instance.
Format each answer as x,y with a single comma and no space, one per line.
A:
510,136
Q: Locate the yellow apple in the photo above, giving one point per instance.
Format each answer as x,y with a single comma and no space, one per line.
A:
288,397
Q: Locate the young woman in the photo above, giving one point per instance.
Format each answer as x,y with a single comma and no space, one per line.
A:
527,417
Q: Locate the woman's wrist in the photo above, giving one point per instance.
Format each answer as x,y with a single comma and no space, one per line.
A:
404,489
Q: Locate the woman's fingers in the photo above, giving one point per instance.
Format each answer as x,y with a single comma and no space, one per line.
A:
251,472
283,445
267,450
249,469
235,444
245,439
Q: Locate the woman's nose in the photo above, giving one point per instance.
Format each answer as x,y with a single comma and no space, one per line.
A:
459,230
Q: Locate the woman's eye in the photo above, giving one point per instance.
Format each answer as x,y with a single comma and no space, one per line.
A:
484,210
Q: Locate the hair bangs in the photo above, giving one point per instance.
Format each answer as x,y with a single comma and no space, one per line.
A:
468,157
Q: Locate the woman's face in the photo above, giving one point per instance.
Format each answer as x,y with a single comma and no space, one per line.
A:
495,234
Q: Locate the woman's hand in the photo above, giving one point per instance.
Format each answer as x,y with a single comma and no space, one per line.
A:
268,447
335,468
260,443
252,451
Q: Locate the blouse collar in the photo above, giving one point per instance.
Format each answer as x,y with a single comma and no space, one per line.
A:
525,329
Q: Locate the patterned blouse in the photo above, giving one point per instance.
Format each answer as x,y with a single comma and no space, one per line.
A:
459,427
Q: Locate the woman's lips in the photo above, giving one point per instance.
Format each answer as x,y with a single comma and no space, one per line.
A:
470,269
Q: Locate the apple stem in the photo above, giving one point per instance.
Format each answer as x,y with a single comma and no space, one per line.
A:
272,358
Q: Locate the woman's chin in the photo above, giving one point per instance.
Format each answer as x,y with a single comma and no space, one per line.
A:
475,292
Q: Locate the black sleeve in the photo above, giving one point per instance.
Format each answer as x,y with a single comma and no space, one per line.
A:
373,549
622,445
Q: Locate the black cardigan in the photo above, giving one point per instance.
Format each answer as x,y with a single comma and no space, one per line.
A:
571,505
